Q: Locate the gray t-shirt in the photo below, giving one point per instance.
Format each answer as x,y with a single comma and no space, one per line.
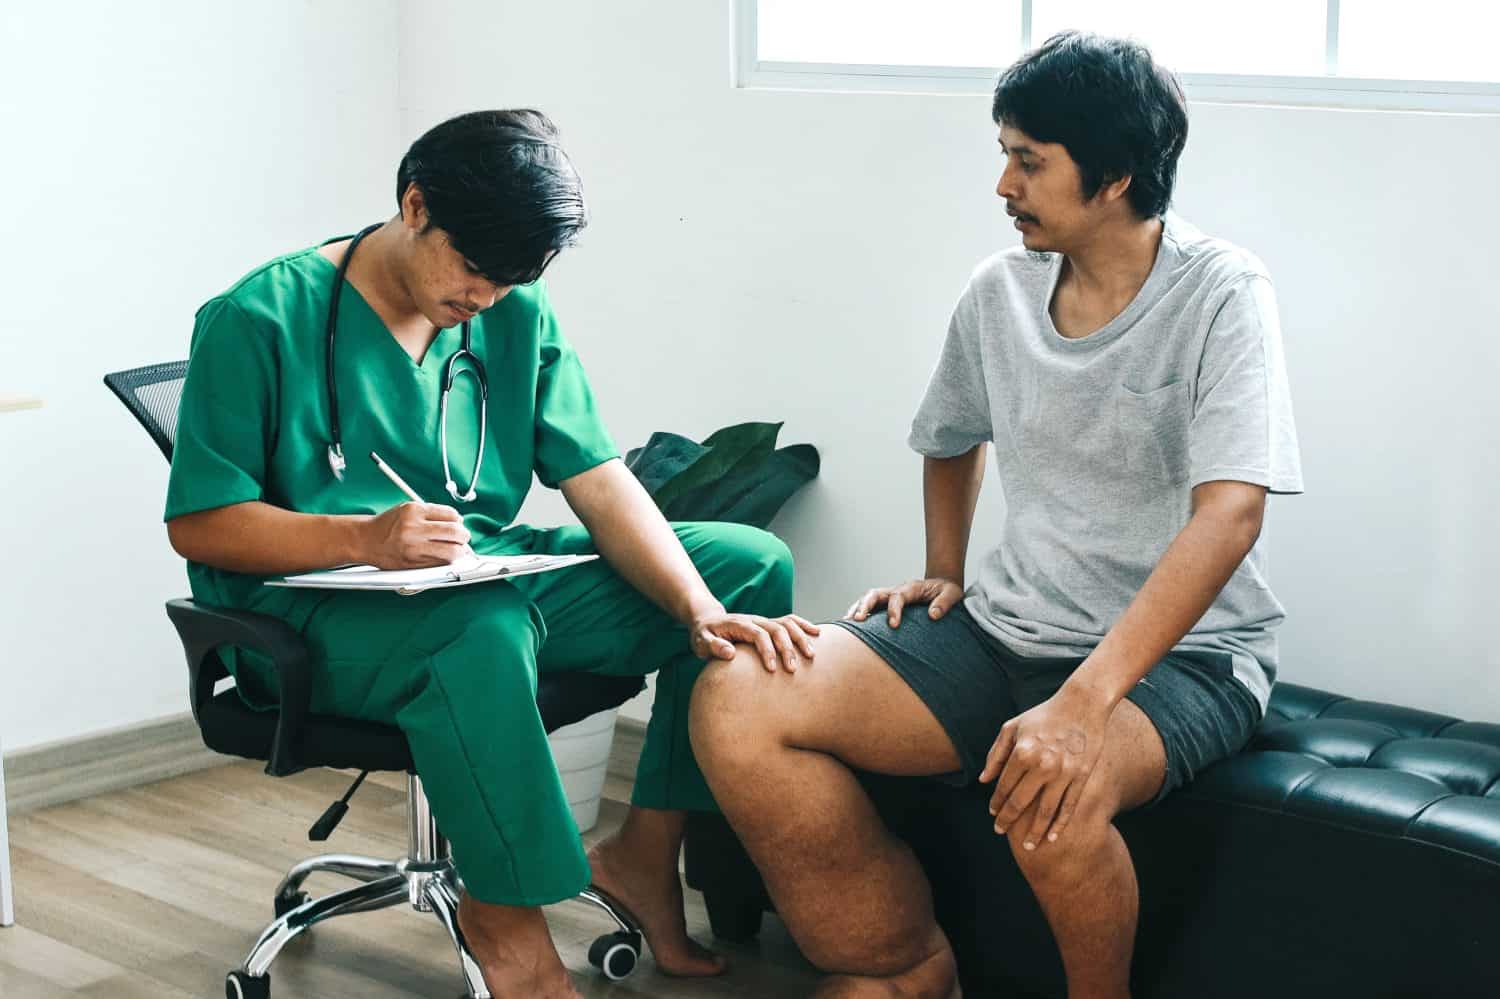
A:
1100,440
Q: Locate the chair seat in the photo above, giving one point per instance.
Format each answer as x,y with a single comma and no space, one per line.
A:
230,726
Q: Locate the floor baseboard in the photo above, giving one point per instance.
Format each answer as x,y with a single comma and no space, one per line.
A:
625,753
70,769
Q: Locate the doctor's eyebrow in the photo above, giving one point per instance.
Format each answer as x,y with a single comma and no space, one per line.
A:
1019,148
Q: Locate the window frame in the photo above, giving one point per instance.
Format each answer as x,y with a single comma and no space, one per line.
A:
749,72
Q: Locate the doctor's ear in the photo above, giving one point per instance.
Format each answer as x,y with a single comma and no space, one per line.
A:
414,208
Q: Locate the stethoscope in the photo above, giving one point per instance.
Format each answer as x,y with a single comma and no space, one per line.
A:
450,372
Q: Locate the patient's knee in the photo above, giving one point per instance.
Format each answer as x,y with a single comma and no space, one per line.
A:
1076,851
730,711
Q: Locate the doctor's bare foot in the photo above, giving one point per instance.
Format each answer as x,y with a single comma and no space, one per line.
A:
637,866
514,949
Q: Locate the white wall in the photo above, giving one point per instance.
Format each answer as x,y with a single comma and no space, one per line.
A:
152,153
759,255
753,255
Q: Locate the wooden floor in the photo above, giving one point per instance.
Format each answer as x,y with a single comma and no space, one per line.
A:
157,891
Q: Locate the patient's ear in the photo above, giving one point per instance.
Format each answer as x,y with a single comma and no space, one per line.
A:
1114,190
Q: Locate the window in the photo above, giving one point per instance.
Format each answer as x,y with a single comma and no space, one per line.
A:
1432,54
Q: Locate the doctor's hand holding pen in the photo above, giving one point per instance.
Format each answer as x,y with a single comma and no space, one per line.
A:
414,535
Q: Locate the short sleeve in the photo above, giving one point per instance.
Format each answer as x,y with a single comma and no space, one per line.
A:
1242,427
570,436
225,420
954,415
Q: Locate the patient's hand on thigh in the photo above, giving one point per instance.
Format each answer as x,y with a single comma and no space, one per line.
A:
938,594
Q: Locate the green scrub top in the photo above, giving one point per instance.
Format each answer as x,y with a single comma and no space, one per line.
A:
254,421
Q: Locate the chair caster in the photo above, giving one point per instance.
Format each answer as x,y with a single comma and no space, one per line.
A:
239,985
286,903
616,954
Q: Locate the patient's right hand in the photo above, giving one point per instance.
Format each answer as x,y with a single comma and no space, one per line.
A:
416,536
938,594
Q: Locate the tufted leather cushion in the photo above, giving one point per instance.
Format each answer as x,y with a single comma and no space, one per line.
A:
1370,766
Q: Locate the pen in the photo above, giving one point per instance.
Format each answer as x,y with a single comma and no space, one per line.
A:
390,473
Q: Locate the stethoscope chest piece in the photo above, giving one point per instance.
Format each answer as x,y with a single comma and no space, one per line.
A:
336,461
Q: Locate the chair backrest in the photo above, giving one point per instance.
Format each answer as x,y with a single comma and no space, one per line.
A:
151,394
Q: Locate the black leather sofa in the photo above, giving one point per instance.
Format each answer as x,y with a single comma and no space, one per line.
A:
1352,850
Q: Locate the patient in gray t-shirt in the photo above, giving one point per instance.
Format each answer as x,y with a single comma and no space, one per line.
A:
1099,441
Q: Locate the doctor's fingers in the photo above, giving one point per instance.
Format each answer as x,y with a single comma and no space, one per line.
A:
802,632
742,628
436,511
442,531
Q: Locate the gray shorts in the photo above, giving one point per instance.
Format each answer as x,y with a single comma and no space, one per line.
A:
973,684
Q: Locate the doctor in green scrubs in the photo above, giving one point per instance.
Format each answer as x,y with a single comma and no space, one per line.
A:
486,200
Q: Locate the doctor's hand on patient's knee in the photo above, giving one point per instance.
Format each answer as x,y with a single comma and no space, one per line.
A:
414,536
938,594
783,642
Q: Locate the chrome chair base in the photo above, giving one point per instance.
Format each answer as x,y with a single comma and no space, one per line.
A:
427,880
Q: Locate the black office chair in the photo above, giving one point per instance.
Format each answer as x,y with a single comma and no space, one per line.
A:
292,739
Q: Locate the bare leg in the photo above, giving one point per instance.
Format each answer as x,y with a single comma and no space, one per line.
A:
777,750
637,865
1085,881
514,950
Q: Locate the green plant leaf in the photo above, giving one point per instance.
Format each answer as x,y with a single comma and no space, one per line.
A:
661,458
750,493
737,474
725,449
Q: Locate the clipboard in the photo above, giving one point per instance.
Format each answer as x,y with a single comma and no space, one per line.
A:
468,570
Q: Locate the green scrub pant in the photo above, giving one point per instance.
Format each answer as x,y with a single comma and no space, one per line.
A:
456,671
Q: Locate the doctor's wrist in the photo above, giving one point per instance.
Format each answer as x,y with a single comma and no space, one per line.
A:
703,608
353,538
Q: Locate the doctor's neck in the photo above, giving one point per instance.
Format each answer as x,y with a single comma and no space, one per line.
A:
385,271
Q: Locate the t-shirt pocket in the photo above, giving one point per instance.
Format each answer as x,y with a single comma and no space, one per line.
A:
1154,426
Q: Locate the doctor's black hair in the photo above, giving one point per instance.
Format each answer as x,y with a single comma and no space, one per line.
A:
500,185
1116,110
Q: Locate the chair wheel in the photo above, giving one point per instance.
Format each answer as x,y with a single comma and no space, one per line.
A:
286,903
239,985
616,954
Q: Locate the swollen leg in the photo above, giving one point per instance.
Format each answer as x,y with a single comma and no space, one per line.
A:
777,750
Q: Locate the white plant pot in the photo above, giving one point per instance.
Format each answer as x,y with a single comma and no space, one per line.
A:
581,752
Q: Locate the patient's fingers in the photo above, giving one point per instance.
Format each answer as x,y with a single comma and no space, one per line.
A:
870,601
893,608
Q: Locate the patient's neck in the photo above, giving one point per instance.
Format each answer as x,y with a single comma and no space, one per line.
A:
1114,262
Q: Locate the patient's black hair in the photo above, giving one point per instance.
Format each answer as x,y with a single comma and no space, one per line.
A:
1116,110
502,188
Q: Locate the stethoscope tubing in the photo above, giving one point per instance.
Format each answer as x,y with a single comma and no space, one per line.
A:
451,371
